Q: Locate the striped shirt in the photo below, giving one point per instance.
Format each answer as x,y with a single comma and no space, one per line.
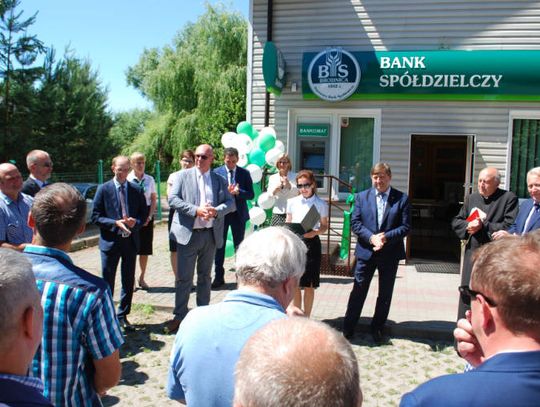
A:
14,228
79,325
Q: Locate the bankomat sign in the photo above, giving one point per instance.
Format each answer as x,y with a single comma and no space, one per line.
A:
333,74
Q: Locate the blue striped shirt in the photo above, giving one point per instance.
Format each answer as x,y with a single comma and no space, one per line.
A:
79,325
14,227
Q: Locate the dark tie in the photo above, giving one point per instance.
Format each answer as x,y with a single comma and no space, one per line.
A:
380,207
533,217
123,205
231,177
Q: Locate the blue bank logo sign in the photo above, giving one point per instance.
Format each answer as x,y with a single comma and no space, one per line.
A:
334,74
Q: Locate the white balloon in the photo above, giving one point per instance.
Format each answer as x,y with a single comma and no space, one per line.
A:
266,200
268,130
272,156
255,172
227,139
242,160
243,143
280,146
257,215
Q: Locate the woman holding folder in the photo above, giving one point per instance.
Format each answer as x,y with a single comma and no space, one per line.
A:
297,208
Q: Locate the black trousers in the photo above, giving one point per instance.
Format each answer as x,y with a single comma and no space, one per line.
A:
363,274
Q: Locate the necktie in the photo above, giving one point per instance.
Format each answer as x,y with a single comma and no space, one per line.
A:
141,184
202,198
533,215
380,207
231,177
123,205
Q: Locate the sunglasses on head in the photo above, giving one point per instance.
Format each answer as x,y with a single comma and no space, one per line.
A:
466,295
303,186
201,156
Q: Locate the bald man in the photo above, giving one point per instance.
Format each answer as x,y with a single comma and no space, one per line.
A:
14,207
500,208
40,165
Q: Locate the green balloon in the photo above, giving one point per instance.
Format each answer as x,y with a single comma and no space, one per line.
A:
245,128
248,223
256,156
266,142
229,234
229,248
250,205
254,134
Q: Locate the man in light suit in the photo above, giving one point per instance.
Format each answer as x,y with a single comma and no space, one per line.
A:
528,218
500,336
381,219
40,165
119,211
240,186
201,200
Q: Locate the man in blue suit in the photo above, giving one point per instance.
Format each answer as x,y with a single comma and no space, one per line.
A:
201,200
501,335
528,217
119,211
240,186
381,219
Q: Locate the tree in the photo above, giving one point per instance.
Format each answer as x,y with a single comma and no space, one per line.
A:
73,121
18,51
197,85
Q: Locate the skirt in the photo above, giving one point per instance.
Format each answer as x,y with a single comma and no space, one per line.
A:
313,264
146,237
172,242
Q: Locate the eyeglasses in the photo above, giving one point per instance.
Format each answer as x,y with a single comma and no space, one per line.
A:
466,294
303,186
48,165
188,161
283,162
201,156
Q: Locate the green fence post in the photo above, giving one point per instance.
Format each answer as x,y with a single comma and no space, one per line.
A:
158,179
100,172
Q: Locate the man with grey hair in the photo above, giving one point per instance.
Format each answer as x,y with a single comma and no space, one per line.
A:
21,323
484,212
40,165
269,264
297,362
78,307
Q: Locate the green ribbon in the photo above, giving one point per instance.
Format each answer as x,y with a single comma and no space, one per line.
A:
345,247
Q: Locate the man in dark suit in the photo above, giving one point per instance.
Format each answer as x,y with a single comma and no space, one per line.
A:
501,335
496,209
240,186
119,211
201,200
528,217
381,219
40,166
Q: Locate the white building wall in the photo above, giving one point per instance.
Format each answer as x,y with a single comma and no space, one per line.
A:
311,25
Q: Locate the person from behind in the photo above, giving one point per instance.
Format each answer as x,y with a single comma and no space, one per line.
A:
21,324
79,356
40,165
146,232
269,264
297,362
528,217
500,336
187,160
14,208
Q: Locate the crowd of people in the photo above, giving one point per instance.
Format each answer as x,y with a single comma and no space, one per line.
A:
61,334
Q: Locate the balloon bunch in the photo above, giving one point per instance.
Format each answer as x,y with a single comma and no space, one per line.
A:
256,150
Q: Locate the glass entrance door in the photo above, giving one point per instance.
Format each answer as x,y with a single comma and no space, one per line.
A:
356,152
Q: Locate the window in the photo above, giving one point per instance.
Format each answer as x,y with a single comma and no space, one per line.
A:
525,153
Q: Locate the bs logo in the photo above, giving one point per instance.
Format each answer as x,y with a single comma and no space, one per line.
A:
333,74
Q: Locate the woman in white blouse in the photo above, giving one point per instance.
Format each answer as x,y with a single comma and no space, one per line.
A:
282,186
297,208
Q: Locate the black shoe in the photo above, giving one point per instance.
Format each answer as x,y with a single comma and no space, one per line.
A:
377,335
125,325
217,284
172,326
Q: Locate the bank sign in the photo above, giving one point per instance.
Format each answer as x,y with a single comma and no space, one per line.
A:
335,74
